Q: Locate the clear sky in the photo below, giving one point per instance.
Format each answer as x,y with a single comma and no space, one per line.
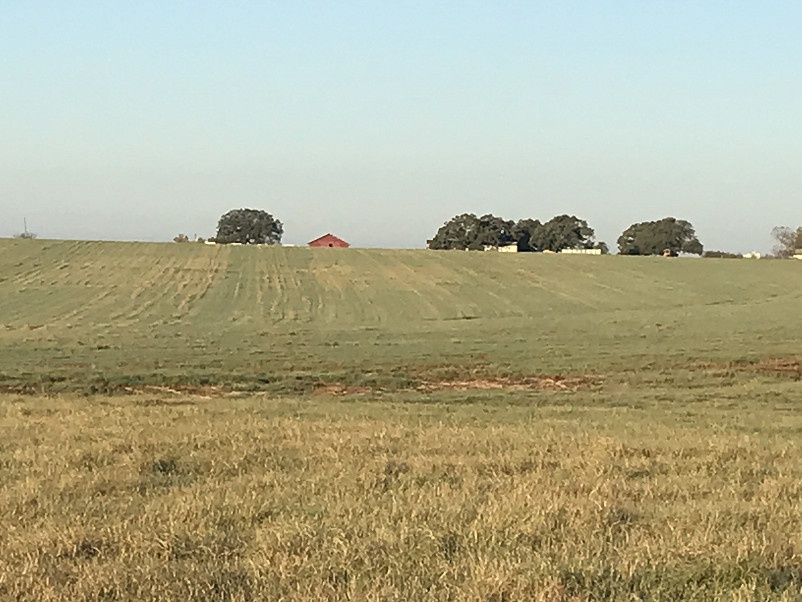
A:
380,120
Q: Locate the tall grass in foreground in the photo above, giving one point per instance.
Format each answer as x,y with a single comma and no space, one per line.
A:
233,500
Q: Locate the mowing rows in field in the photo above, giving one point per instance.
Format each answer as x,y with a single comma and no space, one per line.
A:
138,313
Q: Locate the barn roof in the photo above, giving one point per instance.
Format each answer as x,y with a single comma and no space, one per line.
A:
328,237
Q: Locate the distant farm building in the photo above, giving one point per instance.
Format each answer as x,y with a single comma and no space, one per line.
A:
798,254
513,248
329,240
752,255
582,251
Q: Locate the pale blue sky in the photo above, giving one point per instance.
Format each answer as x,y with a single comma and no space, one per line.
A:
378,121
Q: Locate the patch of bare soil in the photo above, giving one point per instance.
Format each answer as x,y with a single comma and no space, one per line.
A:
24,389
204,391
786,366
459,378
161,401
338,389
538,382
481,377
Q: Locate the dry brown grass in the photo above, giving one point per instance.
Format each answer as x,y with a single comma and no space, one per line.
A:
788,366
185,498
465,379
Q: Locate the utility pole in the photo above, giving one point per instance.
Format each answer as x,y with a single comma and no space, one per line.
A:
25,229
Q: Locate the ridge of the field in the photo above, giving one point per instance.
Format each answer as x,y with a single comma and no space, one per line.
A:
79,315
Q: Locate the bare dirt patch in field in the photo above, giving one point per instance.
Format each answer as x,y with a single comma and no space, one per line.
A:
467,382
790,366
200,391
22,389
539,382
487,377
338,389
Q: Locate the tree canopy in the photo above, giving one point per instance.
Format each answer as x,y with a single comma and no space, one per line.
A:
527,233
564,232
469,232
653,238
249,227
788,240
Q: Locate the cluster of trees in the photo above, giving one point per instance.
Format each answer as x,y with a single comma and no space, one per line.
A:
467,231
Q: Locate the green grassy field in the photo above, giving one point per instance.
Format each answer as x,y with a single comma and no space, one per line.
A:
187,422
100,317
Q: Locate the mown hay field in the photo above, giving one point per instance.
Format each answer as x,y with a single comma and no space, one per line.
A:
187,422
103,317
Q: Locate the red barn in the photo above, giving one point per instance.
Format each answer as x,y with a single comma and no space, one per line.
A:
329,240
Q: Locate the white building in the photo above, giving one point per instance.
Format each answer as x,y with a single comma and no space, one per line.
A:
582,251
513,248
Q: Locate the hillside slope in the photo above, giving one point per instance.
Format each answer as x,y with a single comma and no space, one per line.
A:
76,313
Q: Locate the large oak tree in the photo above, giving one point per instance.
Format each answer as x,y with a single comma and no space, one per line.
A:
473,233
249,227
654,238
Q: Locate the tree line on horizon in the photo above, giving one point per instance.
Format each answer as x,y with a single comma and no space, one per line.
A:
468,232
471,233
